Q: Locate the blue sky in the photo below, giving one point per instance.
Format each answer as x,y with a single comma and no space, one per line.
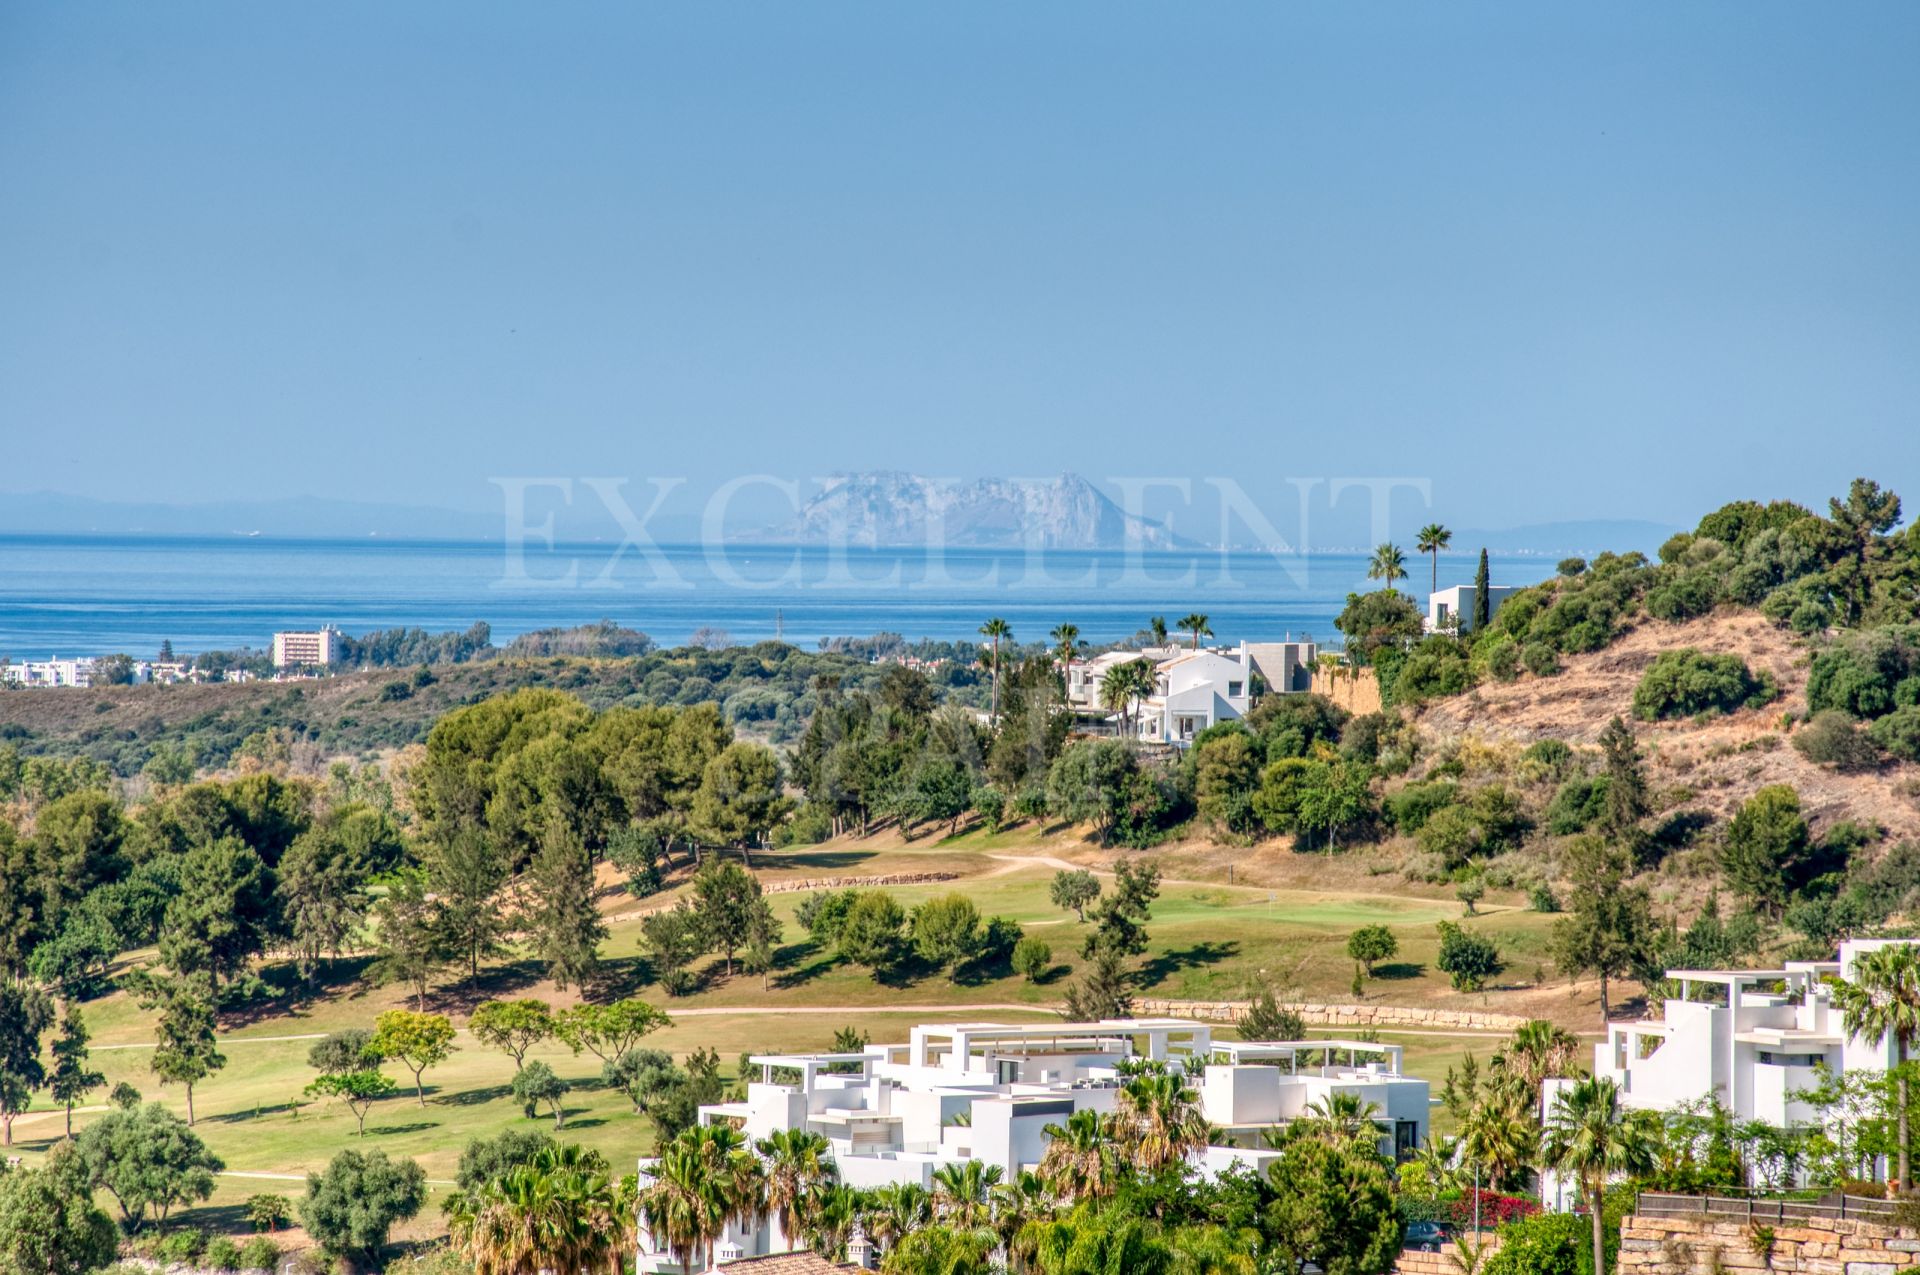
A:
1608,261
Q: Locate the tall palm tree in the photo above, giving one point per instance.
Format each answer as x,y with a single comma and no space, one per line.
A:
996,629
1388,564
1157,629
1539,1051
1591,1136
1432,539
704,1179
963,1192
1124,686
1079,1160
798,1163
1195,623
899,1209
560,1211
1159,1121
1016,1206
1066,643
1882,1001
1499,1137
830,1217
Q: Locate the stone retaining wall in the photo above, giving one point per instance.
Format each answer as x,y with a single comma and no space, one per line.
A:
1380,1016
1445,1262
820,883
1810,1246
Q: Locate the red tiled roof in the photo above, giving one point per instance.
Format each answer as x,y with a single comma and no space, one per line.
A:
804,1262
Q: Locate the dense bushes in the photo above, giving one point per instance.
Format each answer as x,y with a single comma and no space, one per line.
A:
1868,674
1832,739
1684,682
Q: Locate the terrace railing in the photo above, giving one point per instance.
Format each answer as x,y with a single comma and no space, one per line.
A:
1833,1204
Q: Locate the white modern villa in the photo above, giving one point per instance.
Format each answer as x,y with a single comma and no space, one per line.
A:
987,1091
1451,610
1194,689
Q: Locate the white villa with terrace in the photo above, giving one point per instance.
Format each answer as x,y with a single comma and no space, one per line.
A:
987,1091
1194,689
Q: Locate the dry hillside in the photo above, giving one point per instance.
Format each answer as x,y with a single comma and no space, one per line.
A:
1722,760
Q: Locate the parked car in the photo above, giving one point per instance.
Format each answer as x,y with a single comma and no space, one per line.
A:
1426,1237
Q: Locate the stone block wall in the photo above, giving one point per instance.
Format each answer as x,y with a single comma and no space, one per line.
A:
1812,1246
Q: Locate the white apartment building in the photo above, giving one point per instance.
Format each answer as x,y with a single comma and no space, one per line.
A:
315,647
987,1092
54,671
1451,610
1194,689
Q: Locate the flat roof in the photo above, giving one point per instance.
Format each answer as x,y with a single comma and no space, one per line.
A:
805,1060
1730,976
1046,1031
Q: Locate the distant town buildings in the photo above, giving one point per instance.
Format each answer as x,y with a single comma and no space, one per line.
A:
1194,689
315,648
84,671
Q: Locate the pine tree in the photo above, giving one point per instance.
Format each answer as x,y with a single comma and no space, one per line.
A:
1627,802
411,943
1482,604
563,926
1104,991
71,1079
184,1050
467,872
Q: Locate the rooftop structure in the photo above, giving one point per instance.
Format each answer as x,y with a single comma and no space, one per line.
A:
306,647
987,1091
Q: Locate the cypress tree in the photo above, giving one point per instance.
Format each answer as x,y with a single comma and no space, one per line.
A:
1482,604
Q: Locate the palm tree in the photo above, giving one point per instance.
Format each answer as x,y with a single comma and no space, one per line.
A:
1079,1158
1388,564
1157,629
1016,1206
831,1214
704,1179
1539,1051
899,1209
560,1211
1591,1136
996,629
1499,1138
1432,539
1195,623
798,1163
1883,1000
963,1192
1066,642
1160,1122
1125,685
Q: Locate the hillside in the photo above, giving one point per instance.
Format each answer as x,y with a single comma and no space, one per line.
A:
1721,760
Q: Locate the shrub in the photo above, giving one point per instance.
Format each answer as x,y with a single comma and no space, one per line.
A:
259,1254
1576,804
1541,1244
1543,899
1471,889
1451,834
222,1255
1551,755
183,1245
1411,807
1832,739
1032,957
1686,682
1372,943
1867,674
1540,659
1899,732
1466,958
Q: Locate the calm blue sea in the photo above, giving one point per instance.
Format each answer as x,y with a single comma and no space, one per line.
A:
83,595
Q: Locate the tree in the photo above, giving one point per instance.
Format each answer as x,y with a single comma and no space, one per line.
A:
1432,539
72,1081
536,1083
1032,957
1196,624
358,1089
1066,644
946,931
1104,990
672,939
1388,564
799,1163
1332,1208
224,914
1590,1135
870,935
467,872
1766,848
1372,943
353,1206
147,1160
608,1031
559,1211
47,1230
349,1049
268,1212
1124,686
1468,959
562,922
1159,1121
1333,795
1482,595
996,630
512,1026
74,963
740,796
1074,888
1226,773
25,1014
1881,1002
1266,1018
417,1040
1157,630
1120,918
763,941
1609,930
725,899
322,888
1626,803
1081,1159
705,1177
410,938
184,1052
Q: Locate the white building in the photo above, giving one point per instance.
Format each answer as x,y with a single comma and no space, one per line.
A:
54,671
314,648
1451,610
987,1092
1194,689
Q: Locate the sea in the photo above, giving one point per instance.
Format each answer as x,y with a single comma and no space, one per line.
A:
78,595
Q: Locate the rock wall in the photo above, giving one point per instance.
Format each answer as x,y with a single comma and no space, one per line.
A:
1809,1246
1446,1262
1379,1016
817,883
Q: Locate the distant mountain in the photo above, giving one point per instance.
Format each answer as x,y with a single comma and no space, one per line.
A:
887,507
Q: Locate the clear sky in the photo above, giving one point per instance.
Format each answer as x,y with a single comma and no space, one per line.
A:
1606,261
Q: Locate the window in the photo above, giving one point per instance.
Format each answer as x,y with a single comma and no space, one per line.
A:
1771,1059
1236,689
